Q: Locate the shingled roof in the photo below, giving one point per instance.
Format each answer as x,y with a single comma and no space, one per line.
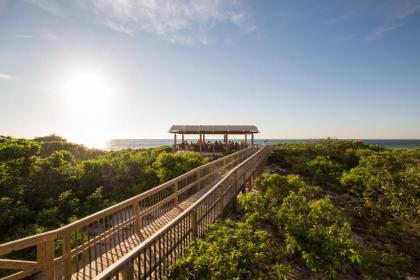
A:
213,129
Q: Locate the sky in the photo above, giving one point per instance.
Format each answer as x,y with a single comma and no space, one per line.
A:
91,70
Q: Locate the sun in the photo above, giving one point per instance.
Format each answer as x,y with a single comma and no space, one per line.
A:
87,99
83,89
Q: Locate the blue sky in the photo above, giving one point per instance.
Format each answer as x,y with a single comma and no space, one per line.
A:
90,70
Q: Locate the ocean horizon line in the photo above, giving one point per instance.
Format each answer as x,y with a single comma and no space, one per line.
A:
118,144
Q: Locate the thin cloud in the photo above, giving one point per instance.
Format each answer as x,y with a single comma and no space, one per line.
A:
7,77
380,31
406,9
341,18
25,36
45,35
178,21
401,10
43,88
51,6
343,38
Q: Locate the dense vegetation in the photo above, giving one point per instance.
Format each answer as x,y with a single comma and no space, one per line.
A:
325,210
48,182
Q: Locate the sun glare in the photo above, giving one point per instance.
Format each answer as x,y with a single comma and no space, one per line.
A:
87,98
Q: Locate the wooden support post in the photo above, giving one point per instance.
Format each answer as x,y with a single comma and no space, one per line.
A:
235,192
234,205
126,272
194,224
45,257
227,141
213,170
221,201
201,142
246,139
200,175
174,146
176,192
235,182
182,138
136,212
252,139
66,256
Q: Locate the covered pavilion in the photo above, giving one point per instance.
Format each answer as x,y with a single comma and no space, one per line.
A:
216,147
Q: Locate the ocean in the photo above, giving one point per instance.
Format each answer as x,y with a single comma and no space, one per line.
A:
118,144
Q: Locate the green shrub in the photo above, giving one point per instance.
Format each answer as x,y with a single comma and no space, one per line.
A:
389,183
231,251
171,165
379,264
318,233
324,171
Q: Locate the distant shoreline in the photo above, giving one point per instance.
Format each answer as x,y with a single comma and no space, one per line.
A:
118,144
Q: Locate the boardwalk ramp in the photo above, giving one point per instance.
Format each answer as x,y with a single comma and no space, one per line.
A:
139,237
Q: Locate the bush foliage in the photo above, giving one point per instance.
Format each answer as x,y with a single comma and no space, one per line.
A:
228,251
341,208
48,182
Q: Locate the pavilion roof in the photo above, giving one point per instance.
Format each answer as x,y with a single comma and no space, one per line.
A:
213,129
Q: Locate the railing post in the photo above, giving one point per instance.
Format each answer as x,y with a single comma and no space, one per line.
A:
200,175
126,272
214,173
176,192
45,258
221,200
136,211
235,191
243,186
235,181
194,224
66,256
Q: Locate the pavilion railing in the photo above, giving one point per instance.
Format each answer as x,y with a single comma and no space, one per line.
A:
151,258
211,148
61,252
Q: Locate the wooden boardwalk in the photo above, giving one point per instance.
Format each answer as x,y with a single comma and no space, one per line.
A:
103,254
140,237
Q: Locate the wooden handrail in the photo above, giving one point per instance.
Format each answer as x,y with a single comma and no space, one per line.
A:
117,216
120,265
16,264
27,242
128,202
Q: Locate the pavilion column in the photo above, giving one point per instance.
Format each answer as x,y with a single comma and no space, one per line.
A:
227,141
246,139
174,147
182,138
201,137
204,138
252,139
226,137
